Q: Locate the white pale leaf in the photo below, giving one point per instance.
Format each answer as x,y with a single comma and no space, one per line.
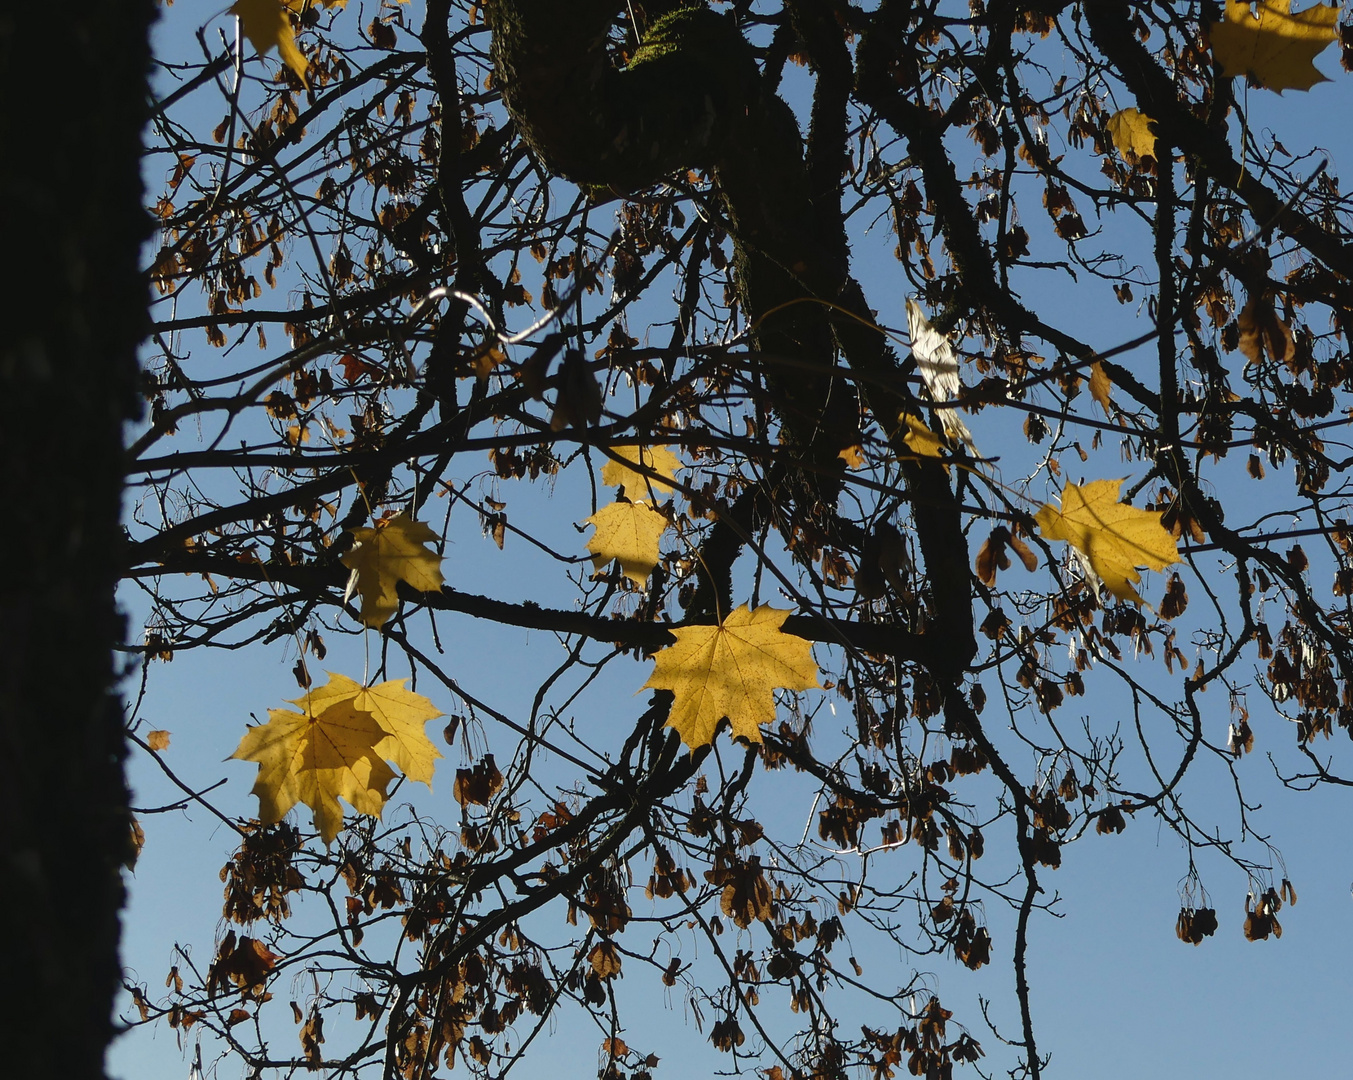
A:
939,370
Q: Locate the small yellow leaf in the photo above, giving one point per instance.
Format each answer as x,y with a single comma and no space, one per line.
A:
317,760
919,438
400,713
853,456
1131,133
267,25
638,485
628,531
731,670
1100,387
1112,538
382,557
158,740
1271,45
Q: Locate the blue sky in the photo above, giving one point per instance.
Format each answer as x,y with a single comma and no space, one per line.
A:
1115,994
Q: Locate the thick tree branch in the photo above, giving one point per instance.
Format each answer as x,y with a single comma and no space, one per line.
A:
1112,32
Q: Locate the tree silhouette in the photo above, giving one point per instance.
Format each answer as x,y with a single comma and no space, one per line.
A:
73,318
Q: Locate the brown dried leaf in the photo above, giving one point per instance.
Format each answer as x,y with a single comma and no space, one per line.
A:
605,960
478,785
135,842
1261,331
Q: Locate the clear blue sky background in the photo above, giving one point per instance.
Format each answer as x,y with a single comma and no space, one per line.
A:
1117,997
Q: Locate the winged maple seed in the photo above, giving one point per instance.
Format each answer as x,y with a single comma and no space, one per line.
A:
639,484
628,531
392,552
1271,45
1111,538
338,747
731,670
1261,331
993,557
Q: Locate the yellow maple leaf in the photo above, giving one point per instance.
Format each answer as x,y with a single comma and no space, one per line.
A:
382,557
400,713
731,670
1112,539
919,438
627,531
316,760
637,485
267,25
1130,130
853,456
1100,387
1271,45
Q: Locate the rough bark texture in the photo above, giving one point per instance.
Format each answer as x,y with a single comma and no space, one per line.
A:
70,194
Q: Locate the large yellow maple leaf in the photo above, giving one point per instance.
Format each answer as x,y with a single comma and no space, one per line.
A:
267,25
638,485
316,760
731,670
382,557
628,531
336,747
1112,539
1271,45
400,713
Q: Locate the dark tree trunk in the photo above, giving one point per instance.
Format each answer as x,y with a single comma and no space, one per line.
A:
73,83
